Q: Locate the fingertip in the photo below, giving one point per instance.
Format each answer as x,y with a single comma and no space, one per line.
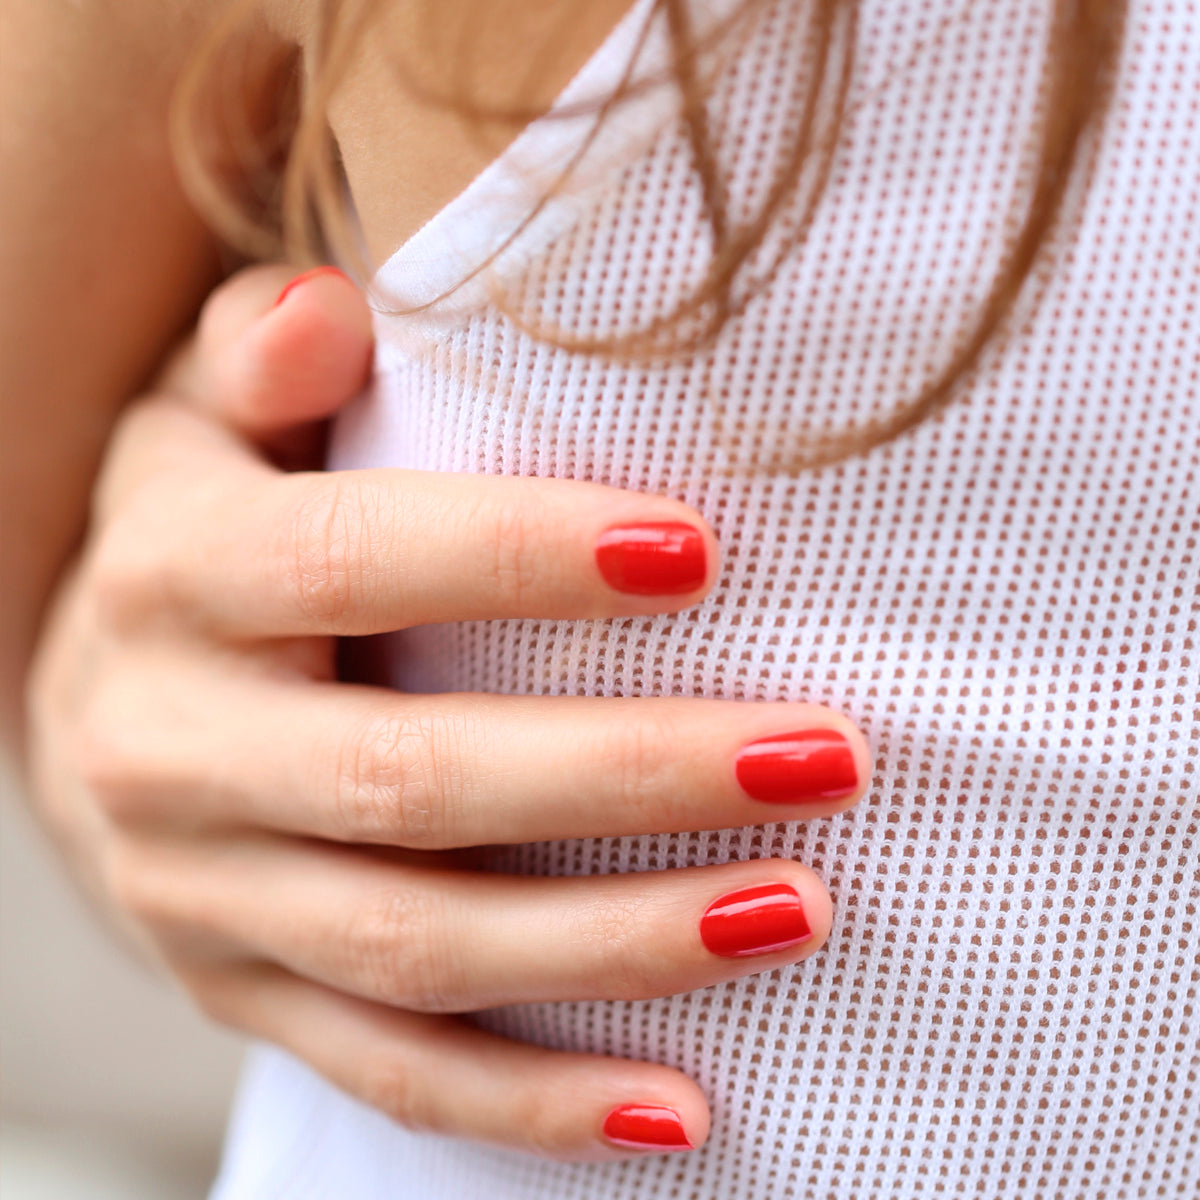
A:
694,1111
808,761
656,1110
308,355
710,548
712,553
329,293
816,902
308,277
760,915
657,561
864,761
859,751
584,1108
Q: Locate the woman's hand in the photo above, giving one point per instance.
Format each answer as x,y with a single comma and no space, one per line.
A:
292,847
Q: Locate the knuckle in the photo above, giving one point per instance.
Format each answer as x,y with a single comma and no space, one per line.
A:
108,762
404,778
392,1085
126,575
397,949
133,889
549,1129
397,781
613,937
639,760
211,1000
513,563
125,755
219,992
330,528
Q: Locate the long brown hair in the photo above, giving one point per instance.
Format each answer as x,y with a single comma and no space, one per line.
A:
289,198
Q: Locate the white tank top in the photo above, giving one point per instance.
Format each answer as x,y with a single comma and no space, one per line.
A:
1007,601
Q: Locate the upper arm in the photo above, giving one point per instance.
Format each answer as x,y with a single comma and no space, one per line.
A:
102,263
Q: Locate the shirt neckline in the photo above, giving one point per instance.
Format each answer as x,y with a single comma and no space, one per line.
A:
486,234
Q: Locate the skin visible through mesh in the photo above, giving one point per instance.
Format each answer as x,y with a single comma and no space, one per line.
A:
1082,39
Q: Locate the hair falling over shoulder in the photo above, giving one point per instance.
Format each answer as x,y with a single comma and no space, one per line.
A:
281,191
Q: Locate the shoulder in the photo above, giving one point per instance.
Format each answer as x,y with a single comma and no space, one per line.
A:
98,37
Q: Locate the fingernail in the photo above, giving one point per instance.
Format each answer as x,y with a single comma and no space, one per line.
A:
315,273
664,558
756,920
646,1127
790,768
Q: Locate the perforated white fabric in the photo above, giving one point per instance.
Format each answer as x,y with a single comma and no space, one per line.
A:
1006,601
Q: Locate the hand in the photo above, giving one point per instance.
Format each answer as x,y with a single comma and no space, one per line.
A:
295,850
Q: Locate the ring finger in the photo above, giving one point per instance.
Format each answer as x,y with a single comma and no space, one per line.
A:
433,940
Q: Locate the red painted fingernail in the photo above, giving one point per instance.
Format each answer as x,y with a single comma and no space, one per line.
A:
756,920
790,768
315,273
665,558
646,1127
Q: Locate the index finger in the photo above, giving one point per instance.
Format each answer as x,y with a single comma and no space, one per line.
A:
362,552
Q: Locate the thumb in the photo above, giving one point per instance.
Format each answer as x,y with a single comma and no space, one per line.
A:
275,351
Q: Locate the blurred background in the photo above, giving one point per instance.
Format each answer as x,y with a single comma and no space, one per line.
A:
111,1087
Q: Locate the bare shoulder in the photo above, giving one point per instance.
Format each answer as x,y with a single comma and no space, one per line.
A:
162,26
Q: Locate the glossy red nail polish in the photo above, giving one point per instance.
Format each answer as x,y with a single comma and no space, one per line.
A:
665,558
646,1127
756,920
791,768
315,273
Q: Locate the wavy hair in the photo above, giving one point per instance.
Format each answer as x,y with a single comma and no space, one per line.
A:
281,191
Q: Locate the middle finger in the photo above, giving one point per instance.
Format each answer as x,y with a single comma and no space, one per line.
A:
432,772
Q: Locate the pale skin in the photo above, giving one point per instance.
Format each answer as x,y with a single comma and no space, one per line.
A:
294,850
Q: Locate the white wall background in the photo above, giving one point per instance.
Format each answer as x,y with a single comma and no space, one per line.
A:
111,1085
